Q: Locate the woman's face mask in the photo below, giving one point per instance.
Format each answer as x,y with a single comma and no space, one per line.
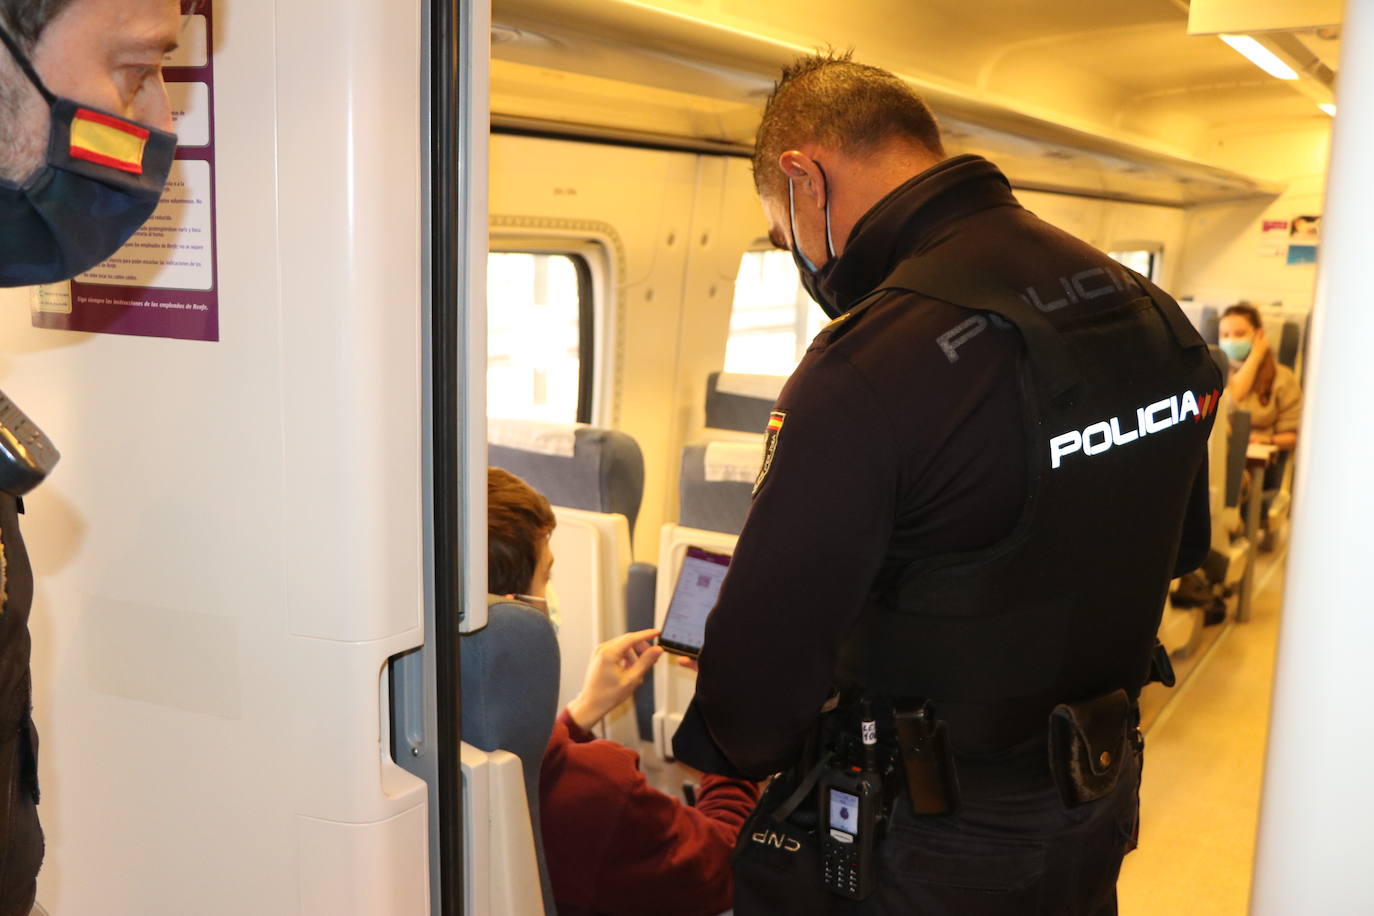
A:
102,178
1236,348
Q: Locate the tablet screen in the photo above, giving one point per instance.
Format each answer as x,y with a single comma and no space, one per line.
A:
698,586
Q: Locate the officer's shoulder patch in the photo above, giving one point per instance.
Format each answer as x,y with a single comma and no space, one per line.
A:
770,446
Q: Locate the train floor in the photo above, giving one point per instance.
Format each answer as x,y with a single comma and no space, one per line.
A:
1204,762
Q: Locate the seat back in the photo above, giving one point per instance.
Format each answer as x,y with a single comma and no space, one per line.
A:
509,675
1290,340
674,685
1223,362
581,467
717,482
1209,324
591,569
741,402
1199,315
1239,440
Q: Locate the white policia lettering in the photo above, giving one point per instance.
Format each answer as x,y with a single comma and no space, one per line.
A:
1107,434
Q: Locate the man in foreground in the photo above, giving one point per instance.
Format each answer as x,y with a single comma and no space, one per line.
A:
85,149
976,488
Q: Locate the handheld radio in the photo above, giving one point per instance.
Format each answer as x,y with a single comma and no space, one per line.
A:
852,814
27,455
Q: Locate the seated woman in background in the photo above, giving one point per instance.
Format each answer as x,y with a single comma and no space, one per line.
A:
1258,384
1268,390
613,843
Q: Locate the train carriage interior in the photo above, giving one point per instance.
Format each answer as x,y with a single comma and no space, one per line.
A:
1164,147
619,327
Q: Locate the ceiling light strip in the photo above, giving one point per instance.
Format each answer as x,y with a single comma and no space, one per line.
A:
1260,56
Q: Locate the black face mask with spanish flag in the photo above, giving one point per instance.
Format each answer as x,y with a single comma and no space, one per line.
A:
101,180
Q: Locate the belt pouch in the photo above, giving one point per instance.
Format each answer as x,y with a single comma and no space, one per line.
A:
1088,742
932,783
777,858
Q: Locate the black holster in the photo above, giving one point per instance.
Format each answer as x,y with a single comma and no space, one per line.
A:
932,781
1088,744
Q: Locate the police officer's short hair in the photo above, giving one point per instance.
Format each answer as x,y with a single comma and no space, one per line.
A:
830,99
26,19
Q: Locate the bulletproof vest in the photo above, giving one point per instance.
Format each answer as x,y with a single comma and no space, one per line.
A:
1118,392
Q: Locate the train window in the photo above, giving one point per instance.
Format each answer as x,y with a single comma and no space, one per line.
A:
1143,261
773,320
540,334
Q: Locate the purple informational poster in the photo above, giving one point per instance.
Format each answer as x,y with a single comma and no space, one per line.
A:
163,282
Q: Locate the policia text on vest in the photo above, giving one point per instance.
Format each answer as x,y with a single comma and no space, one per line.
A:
1157,417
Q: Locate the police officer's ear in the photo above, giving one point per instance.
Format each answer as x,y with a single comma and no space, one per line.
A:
808,180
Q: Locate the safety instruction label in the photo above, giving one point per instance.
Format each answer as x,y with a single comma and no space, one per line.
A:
163,282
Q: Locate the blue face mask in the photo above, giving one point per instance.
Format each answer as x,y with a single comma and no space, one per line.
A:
102,179
1236,348
813,277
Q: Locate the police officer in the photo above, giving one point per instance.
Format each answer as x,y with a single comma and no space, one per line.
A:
976,488
85,150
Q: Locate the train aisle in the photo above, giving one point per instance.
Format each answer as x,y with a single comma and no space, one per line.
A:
1203,767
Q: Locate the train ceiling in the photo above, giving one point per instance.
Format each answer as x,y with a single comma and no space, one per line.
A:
1113,99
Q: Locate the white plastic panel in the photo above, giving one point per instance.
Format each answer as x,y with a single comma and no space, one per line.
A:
386,863
1310,854
231,547
591,565
674,685
500,868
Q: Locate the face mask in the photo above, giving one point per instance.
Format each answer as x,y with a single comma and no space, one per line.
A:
101,180
813,277
548,604
1236,348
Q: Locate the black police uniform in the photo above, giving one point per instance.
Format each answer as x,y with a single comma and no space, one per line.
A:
976,488
21,839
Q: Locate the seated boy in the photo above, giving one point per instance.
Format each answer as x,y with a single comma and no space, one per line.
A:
613,843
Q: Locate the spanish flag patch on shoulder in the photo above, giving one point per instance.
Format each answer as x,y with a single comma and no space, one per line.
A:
108,141
770,446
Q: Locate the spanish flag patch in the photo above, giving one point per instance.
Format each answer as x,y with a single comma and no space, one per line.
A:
108,141
770,446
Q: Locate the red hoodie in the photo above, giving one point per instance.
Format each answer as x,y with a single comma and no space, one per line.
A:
616,846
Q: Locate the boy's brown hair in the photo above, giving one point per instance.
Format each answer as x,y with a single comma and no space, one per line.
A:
519,518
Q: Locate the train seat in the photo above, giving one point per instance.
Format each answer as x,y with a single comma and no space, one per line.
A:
1181,628
741,402
578,466
591,576
717,482
1203,317
509,675
585,471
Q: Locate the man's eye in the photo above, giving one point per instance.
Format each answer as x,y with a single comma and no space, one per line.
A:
133,79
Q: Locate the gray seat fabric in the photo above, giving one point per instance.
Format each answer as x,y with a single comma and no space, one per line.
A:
1223,362
1288,344
710,505
604,474
734,411
640,590
1210,326
509,674
1235,455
